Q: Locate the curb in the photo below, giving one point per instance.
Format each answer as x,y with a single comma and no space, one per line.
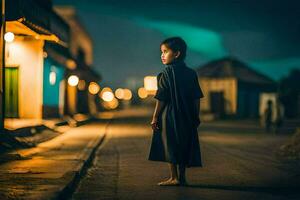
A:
31,136
69,189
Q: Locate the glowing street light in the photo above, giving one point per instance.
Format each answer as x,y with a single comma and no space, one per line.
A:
150,83
9,37
127,94
114,103
52,78
142,92
119,93
107,96
71,64
73,80
94,88
105,89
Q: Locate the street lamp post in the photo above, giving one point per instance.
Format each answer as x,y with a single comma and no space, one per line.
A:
2,65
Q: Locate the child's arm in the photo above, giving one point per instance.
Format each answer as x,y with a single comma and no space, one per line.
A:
157,111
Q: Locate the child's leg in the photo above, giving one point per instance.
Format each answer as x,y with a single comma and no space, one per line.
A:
173,170
182,178
173,180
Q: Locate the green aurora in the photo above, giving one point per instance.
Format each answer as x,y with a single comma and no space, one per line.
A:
206,42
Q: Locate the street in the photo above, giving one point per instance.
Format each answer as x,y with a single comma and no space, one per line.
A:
82,82
236,166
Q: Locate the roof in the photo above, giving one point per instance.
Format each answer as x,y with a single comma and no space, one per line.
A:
39,16
232,67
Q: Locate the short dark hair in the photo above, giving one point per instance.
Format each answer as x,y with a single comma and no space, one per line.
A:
176,44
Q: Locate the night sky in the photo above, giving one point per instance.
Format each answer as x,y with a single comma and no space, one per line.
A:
127,34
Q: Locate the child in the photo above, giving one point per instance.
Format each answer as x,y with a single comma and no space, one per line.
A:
176,115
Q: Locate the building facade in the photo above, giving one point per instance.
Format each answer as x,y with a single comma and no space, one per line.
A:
79,99
30,24
232,89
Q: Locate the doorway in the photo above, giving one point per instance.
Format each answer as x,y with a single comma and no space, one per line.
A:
217,103
11,92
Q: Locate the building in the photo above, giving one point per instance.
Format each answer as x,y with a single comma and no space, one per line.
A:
231,88
30,24
57,60
79,99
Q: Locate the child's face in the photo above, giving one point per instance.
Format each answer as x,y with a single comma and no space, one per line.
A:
168,55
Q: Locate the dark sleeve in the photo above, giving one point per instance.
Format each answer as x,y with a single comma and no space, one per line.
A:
162,92
197,90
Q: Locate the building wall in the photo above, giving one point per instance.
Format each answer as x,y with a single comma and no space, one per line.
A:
248,102
226,85
27,54
72,99
52,92
79,39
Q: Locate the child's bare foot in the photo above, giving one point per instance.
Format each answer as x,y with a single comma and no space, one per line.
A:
169,182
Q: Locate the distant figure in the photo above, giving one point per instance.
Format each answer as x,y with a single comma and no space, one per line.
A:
279,117
268,116
176,115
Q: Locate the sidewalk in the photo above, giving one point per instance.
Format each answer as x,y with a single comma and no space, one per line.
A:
24,133
52,168
16,123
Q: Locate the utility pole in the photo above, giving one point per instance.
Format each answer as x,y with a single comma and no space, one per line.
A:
2,65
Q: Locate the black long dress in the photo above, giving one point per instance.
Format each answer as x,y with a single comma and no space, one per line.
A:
176,141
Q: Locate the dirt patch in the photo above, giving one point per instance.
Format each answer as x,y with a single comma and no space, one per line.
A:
291,150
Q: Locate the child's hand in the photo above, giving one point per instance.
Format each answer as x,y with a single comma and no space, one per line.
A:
154,125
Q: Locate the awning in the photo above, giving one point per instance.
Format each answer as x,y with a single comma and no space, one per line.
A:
38,16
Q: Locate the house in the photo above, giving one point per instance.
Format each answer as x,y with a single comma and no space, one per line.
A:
231,88
29,25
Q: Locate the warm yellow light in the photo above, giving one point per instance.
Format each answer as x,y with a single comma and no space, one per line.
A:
52,78
107,96
94,88
119,93
45,55
81,85
111,104
114,103
71,64
73,80
105,89
9,37
150,83
142,92
127,94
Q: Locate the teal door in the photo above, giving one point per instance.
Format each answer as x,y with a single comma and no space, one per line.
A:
12,92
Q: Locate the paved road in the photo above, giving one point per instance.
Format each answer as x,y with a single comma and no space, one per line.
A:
237,166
